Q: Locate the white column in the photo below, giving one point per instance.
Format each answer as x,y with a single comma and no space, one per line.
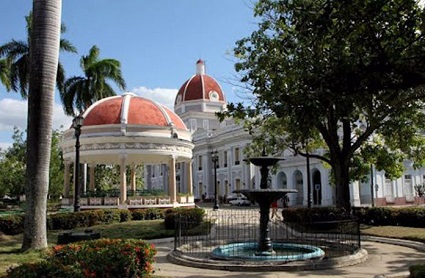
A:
85,177
172,180
355,196
123,177
133,178
189,179
91,176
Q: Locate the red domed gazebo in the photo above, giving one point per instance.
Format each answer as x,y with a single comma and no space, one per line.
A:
130,130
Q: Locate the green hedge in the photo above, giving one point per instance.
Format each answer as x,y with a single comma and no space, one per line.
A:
193,217
417,271
314,214
378,216
388,216
14,224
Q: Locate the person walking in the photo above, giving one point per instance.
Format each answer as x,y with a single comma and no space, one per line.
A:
274,207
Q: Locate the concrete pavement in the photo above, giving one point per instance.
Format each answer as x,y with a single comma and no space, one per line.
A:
388,258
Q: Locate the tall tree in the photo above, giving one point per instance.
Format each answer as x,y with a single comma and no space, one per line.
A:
80,92
16,61
4,73
44,55
13,166
333,73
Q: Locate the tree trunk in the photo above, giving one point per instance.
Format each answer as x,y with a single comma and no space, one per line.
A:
44,57
342,185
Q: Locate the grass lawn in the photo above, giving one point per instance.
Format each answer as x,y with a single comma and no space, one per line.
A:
417,234
10,245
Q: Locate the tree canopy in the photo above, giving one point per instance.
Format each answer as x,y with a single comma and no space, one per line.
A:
82,91
14,67
348,76
13,166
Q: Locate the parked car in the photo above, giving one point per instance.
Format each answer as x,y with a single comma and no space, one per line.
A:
240,201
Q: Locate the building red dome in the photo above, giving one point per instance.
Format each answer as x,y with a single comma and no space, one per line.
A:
131,110
200,87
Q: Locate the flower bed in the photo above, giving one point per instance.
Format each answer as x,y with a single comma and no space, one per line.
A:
97,258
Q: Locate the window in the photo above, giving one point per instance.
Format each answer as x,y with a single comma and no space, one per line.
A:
200,163
408,188
205,124
237,162
238,184
193,125
225,159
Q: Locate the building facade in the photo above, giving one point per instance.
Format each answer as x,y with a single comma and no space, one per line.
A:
197,101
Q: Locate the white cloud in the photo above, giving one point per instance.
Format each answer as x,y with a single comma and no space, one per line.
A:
13,113
161,95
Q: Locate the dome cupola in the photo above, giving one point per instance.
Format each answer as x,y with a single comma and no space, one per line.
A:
200,92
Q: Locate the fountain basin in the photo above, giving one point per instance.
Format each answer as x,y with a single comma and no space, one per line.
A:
285,252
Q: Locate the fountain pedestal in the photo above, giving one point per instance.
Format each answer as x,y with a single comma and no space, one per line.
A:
264,198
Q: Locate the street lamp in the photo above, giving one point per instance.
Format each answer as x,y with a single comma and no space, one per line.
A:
77,123
214,158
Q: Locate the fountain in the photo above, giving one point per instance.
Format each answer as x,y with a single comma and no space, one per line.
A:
265,249
230,249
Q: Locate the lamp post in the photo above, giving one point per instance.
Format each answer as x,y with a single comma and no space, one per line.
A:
309,199
77,123
214,158
372,199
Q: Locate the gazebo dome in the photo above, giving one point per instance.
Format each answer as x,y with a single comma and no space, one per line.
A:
132,129
200,87
130,109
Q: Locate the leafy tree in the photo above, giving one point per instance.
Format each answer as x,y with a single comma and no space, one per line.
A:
16,62
43,67
107,177
334,73
80,92
56,169
12,166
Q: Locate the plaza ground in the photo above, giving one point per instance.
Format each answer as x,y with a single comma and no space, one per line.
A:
387,258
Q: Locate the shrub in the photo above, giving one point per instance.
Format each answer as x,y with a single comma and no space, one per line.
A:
314,214
381,216
72,220
98,258
138,214
191,217
45,269
125,215
153,213
417,271
420,190
12,224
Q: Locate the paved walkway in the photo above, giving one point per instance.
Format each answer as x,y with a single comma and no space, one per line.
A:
385,260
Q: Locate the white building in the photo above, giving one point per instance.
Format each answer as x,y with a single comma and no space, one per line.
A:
197,101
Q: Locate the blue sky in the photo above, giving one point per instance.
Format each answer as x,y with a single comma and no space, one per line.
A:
157,42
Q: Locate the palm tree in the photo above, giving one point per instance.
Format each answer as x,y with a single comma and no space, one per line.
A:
43,65
4,73
80,92
17,55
